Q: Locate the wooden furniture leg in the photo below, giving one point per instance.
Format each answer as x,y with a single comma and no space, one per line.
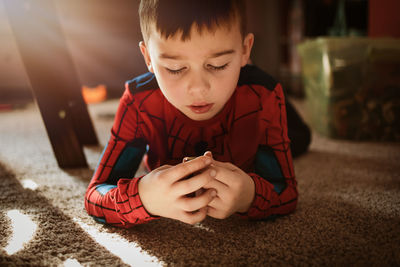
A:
53,78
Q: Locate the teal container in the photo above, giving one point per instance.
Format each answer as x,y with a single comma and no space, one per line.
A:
352,87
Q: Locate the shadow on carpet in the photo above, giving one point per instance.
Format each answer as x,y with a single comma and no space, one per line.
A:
343,218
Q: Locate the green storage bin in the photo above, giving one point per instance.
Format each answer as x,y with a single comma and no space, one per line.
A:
352,87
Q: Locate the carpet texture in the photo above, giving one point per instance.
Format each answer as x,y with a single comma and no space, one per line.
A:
348,211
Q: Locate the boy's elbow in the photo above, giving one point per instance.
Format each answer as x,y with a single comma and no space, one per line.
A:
289,201
293,200
293,206
88,204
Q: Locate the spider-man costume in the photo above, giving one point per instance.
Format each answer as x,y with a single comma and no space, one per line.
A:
250,132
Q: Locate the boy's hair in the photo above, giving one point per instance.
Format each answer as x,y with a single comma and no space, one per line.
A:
177,16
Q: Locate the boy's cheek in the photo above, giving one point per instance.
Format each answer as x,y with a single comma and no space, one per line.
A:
169,86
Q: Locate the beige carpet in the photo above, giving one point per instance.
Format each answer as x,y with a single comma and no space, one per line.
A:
348,212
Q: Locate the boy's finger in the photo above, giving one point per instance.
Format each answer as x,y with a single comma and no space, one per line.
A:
199,192
193,217
221,164
215,213
186,159
196,203
163,167
194,183
217,203
208,154
183,170
225,172
217,184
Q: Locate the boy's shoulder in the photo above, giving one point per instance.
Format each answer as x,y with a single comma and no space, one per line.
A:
252,75
141,83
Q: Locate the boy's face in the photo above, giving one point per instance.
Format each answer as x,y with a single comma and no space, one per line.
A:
198,75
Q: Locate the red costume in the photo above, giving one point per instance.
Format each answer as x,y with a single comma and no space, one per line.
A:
250,132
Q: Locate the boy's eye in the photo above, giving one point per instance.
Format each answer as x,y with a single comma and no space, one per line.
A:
175,71
212,67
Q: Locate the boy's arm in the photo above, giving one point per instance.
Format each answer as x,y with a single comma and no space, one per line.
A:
112,195
274,178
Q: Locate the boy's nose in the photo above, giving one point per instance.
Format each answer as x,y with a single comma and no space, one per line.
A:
198,84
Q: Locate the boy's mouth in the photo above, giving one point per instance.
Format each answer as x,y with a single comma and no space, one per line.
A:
201,107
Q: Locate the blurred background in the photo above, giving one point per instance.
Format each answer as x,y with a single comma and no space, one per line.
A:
102,38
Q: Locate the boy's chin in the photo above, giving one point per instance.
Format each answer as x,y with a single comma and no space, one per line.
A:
199,117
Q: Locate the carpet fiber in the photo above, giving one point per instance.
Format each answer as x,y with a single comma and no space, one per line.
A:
348,211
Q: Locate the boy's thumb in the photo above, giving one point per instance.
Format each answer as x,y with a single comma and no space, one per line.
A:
208,154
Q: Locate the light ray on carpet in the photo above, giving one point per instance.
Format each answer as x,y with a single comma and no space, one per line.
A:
72,263
128,251
23,229
200,226
29,184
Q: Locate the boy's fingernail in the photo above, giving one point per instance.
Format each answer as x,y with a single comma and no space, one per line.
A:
213,193
213,173
208,154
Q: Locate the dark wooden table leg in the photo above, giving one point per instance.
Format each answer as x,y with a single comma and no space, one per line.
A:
53,78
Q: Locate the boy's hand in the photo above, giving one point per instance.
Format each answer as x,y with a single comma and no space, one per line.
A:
235,190
163,191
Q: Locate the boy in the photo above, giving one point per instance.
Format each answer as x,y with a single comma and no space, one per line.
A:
198,99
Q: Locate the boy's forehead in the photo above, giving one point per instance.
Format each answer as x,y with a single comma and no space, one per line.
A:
203,43
226,32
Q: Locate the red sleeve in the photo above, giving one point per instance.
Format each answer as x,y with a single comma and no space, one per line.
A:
267,200
112,196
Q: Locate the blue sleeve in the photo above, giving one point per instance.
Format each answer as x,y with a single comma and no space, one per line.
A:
128,161
267,166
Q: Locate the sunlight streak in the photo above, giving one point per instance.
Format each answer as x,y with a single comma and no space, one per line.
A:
128,251
23,229
200,226
29,184
72,263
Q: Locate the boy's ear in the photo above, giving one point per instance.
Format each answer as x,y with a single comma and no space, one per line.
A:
247,46
146,55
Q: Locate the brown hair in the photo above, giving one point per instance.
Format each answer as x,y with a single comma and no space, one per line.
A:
173,16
